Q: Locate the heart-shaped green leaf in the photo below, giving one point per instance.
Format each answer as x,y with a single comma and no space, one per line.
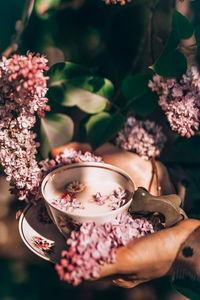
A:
182,26
172,62
100,86
71,85
67,95
102,127
136,85
145,104
56,130
61,72
141,99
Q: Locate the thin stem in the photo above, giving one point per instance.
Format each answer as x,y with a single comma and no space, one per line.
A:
154,173
19,28
158,187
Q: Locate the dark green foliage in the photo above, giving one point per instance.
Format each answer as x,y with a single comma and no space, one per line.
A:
56,130
102,127
71,85
188,287
172,62
141,99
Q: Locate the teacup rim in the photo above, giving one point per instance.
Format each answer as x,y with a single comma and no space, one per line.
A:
89,164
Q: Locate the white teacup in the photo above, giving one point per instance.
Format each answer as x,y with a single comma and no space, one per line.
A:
87,172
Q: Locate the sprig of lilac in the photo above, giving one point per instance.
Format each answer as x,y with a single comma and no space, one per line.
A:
22,94
68,157
23,87
117,197
93,246
142,137
67,202
180,99
121,2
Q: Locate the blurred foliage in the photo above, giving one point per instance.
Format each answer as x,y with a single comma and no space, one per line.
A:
71,84
27,281
102,127
56,130
188,287
141,98
11,11
172,62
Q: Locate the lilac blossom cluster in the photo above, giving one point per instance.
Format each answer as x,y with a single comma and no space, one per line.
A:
67,202
75,187
180,99
68,157
117,198
93,246
121,2
22,94
142,137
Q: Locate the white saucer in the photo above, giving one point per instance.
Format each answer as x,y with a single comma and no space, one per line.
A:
39,234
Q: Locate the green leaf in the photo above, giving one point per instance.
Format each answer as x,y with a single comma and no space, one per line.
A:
102,127
42,7
71,85
187,150
61,72
82,133
141,99
182,26
172,64
145,104
188,287
67,95
100,86
133,86
56,130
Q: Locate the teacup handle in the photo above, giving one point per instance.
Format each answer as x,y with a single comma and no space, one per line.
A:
167,205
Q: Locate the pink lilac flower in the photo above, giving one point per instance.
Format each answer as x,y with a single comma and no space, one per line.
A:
180,99
93,246
22,82
142,137
75,187
117,198
122,2
69,156
67,202
22,94
100,199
